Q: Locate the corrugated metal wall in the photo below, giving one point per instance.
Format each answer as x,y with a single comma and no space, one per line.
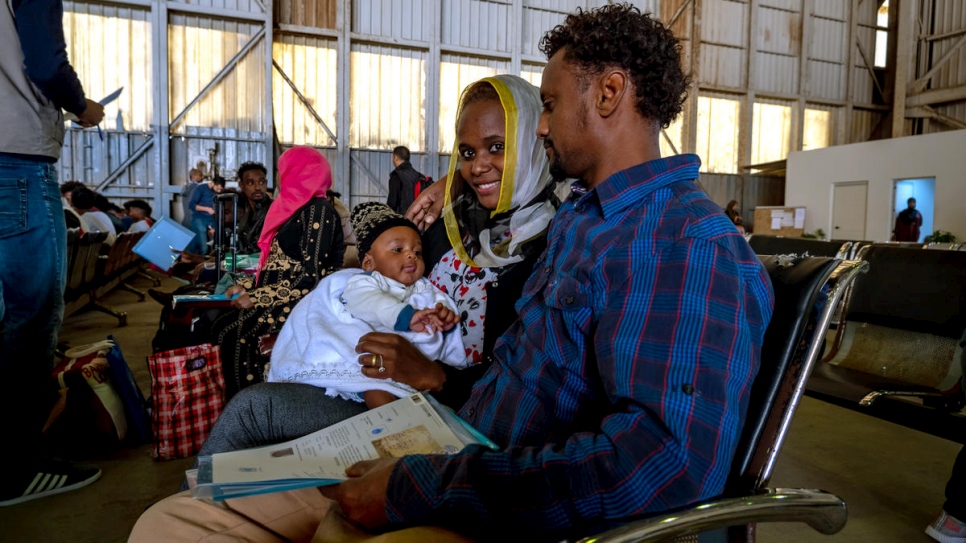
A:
456,73
311,64
309,13
199,47
401,64
404,19
388,98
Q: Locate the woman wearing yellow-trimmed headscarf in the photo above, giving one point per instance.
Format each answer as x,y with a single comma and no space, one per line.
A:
498,205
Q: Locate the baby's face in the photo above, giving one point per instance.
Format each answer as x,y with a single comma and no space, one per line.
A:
398,254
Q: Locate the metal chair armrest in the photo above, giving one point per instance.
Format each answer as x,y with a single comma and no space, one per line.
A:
824,512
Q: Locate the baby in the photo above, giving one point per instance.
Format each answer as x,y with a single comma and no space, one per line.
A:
393,295
317,343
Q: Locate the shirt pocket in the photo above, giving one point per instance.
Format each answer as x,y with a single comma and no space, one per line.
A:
569,305
13,211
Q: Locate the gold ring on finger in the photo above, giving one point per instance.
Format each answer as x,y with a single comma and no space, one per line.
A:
373,360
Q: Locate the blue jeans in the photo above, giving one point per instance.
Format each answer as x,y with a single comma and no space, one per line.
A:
199,225
33,273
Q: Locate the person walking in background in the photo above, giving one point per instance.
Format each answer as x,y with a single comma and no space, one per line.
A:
195,179
908,223
202,205
36,83
402,181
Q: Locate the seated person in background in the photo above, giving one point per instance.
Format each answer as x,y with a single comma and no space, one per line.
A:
202,205
140,212
253,208
65,191
317,344
82,200
301,243
351,258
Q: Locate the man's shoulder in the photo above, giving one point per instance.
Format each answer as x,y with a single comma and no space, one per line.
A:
681,212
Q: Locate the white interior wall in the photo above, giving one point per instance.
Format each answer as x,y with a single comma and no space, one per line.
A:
811,175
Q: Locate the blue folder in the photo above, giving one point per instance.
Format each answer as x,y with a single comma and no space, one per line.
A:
158,243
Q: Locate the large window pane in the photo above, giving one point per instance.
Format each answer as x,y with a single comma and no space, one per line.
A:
771,132
310,64
111,48
672,133
819,128
387,104
533,74
717,137
455,73
198,48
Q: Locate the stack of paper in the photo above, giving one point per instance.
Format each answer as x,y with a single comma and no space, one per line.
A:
415,424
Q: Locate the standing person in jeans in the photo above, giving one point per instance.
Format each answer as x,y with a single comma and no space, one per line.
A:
950,525
202,205
36,82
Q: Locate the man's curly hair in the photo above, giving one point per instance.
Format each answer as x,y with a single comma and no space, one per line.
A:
619,35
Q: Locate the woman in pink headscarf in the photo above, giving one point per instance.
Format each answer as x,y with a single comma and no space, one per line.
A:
301,243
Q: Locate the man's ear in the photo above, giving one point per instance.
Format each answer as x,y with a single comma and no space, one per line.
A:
612,87
367,263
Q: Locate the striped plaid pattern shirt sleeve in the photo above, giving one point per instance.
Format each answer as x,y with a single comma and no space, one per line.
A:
623,387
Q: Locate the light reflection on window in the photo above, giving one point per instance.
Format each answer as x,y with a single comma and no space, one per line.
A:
455,73
312,67
125,63
771,133
387,98
819,129
717,137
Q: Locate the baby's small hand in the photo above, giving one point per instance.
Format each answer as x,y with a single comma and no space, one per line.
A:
423,321
447,317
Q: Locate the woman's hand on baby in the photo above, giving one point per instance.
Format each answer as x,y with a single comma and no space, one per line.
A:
242,301
401,360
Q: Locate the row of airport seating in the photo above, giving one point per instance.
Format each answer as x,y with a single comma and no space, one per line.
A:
892,349
94,269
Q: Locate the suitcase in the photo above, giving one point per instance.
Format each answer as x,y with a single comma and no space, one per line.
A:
189,324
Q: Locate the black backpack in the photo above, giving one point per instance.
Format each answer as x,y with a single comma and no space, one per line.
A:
421,184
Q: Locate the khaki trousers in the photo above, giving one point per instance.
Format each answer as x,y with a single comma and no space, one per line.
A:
296,516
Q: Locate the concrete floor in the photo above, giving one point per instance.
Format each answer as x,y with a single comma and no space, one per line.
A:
891,477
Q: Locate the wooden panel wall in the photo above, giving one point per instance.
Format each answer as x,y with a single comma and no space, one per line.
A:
311,13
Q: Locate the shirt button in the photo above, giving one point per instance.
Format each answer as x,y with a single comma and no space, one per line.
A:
546,269
471,411
569,299
687,388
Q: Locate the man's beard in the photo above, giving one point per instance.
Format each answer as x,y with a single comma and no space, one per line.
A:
557,170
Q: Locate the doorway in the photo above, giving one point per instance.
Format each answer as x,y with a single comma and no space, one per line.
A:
924,191
848,210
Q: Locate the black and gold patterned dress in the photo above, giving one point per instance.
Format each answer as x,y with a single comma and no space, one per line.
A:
305,249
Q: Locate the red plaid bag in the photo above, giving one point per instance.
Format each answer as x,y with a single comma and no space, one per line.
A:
187,395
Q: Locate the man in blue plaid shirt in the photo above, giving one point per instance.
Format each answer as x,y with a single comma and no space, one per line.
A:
623,387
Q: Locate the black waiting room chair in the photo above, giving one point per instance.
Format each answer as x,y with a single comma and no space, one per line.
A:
807,292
